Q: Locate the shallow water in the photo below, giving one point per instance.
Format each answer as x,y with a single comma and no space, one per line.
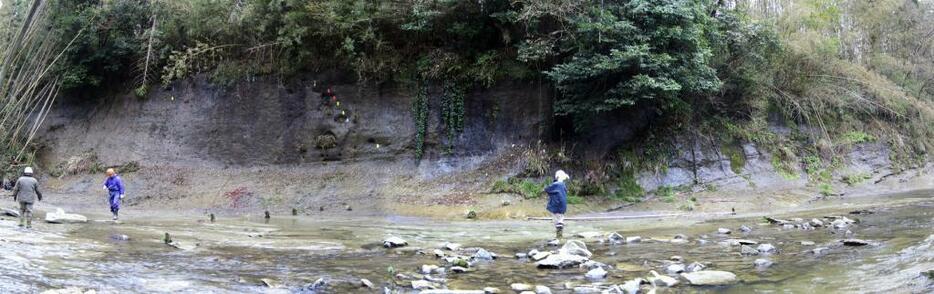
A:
235,253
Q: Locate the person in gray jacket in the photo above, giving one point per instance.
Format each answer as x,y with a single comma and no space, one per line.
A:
26,192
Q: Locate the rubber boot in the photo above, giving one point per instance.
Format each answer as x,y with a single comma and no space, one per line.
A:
29,222
559,232
22,221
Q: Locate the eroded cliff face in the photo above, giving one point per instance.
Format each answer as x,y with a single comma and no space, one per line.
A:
265,122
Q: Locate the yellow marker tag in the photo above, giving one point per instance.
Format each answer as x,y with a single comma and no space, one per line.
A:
338,104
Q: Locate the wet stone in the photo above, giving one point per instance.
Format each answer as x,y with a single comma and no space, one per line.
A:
762,263
748,250
596,274
710,278
724,231
393,242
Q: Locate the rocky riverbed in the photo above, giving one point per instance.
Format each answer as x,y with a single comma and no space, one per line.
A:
870,244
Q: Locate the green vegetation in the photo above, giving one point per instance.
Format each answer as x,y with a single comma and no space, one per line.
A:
666,194
628,190
856,179
528,188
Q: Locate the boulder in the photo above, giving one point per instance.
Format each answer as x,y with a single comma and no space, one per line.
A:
675,268
438,253
451,246
591,264
560,261
615,238
724,231
540,255
428,269
482,254
575,247
596,274
762,263
60,217
766,248
710,278
393,242
318,285
633,239
9,212
631,286
424,285
662,280
696,266
748,250
539,289
519,287
745,229
816,223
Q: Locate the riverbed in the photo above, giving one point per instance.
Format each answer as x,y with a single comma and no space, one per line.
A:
287,254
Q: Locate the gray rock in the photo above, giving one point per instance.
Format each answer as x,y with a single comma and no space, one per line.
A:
615,238
737,242
633,239
748,250
676,258
807,243
662,280
60,217
539,289
762,263
183,245
819,250
458,269
120,237
816,223
491,290
366,283
452,246
591,264
710,278
319,284
560,261
586,290
540,255
9,212
696,266
438,253
766,248
745,229
482,254
675,268
596,274
519,287
631,286
724,231
424,285
270,283
554,242
428,268
393,242
575,247
521,255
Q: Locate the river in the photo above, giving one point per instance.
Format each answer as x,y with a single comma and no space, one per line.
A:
235,253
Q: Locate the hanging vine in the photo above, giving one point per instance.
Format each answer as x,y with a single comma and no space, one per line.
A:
420,113
452,110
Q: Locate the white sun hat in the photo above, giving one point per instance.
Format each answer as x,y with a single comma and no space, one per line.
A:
561,176
27,170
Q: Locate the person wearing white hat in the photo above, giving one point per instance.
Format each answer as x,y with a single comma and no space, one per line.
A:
26,192
558,201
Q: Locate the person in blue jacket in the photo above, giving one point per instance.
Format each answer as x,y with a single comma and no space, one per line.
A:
558,201
114,187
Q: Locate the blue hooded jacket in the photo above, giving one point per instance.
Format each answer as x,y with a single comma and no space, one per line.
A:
557,197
